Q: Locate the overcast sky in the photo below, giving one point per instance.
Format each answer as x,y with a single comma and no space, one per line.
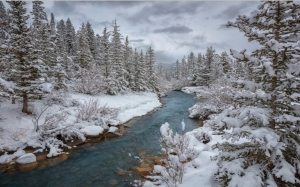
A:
173,29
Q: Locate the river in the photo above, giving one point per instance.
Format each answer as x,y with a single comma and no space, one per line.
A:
97,164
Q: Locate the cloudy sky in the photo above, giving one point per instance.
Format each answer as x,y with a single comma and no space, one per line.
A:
173,29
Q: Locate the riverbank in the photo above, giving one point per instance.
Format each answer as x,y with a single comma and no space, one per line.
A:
18,135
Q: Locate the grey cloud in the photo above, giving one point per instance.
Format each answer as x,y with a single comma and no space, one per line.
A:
164,8
137,40
62,8
180,29
235,10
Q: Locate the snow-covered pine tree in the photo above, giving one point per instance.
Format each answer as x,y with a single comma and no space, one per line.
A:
198,69
39,17
91,39
209,57
61,29
271,118
184,69
69,38
217,68
138,72
24,70
4,22
52,25
177,70
84,57
104,52
117,81
97,48
128,65
225,61
152,78
191,61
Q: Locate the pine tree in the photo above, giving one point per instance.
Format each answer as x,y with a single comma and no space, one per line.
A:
209,56
269,118
225,61
25,71
84,56
39,16
117,83
105,53
91,39
198,66
4,22
177,70
152,79
184,69
52,25
128,63
69,37
61,29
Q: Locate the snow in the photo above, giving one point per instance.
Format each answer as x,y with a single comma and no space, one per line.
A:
17,130
131,105
113,129
26,158
92,130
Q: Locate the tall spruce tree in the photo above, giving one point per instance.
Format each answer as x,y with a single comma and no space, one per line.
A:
105,53
4,22
269,118
25,70
52,25
69,37
152,79
91,39
117,82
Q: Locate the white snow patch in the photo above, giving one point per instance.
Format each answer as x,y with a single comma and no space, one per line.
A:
92,130
26,158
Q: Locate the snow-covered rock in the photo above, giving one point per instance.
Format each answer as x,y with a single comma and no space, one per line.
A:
26,158
92,130
113,129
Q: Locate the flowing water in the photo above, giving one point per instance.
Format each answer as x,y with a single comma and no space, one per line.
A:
97,164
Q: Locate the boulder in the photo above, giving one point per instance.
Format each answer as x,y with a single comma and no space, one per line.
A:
26,158
26,161
144,171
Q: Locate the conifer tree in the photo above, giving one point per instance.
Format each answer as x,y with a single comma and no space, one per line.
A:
84,56
105,52
269,118
117,83
26,72
52,25
61,29
209,56
91,39
69,37
177,70
4,22
152,79
225,62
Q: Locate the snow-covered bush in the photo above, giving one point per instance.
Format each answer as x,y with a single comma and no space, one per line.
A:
201,136
92,110
177,151
216,98
89,81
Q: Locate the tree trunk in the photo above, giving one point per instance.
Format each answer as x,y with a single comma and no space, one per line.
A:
25,103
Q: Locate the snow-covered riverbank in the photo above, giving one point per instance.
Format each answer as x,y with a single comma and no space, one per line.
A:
18,130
